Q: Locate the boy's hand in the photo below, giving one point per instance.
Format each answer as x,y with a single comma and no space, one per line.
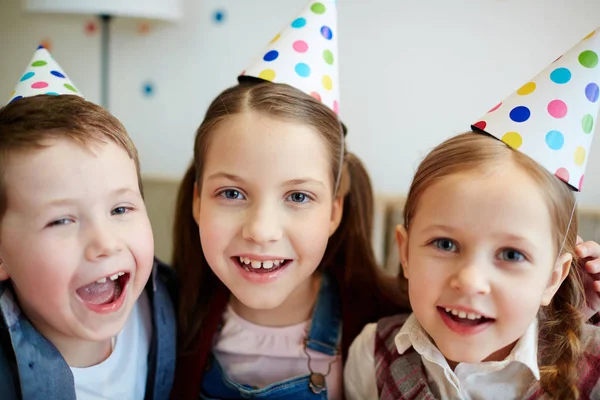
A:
589,261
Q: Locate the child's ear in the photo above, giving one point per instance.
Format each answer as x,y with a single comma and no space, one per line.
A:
337,211
402,241
196,204
559,273
3,272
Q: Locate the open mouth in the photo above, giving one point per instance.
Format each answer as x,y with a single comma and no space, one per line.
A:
261,267
465,318
105,291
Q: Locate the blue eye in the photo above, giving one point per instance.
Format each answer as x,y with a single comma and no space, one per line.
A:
231,194
120,210
445,245
59,222
511,255
298,197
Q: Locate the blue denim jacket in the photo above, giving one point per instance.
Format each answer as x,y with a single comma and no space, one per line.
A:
32,368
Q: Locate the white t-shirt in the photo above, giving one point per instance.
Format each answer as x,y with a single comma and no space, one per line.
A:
123,374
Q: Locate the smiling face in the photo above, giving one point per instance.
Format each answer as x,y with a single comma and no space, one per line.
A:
75,239
265,210
480,259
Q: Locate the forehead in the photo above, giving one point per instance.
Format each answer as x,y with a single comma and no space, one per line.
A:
507,198
67,167
252,144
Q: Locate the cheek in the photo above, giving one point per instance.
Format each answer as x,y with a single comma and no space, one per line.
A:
313,230
216,228
520,298
45,284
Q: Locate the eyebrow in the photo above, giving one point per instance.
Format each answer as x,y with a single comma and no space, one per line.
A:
438,227
291,182
503,236
69,201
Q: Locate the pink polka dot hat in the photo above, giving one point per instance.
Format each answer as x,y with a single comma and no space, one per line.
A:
43,75
304,54
552,117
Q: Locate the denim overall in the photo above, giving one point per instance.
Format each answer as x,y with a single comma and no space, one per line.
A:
323,336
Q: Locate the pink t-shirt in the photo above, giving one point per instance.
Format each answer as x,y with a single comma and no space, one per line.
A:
259,355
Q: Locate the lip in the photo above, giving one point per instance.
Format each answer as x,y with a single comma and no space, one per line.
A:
261,258
460,329
112,307
466,309
264,277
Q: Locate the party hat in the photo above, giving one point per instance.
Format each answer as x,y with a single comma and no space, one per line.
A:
552,117
304,55
43,75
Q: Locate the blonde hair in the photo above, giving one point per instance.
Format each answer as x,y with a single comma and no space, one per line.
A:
27,123
561,321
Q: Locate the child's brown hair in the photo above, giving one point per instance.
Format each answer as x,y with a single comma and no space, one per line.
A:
562,320
28,123
348,255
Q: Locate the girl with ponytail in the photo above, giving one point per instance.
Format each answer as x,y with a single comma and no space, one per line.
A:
273,250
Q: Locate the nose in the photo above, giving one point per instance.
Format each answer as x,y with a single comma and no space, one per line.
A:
471,279
262,225
102,242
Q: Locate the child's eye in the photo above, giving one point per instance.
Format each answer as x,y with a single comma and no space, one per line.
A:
298,197
445,245
59,222
512,255
231,194
120,210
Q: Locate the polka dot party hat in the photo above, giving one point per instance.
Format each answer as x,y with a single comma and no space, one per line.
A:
43,75
304,54
552,117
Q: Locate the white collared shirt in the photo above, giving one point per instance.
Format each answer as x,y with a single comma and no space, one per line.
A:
502,380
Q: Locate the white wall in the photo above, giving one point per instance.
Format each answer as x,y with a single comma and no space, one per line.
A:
412,72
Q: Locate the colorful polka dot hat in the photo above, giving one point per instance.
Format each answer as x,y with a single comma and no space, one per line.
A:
43,75
552,117
304,54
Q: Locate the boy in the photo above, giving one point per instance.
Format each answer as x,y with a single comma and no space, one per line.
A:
80,318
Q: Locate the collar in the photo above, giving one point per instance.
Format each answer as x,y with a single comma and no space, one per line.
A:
525,351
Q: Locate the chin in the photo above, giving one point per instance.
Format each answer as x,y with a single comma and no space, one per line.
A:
260,302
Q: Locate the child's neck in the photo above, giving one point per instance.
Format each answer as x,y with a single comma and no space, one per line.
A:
83,354
295,309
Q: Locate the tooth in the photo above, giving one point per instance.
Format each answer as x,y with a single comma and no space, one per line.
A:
241,260
246,260
101,280
454,312
267,264
121,273
276,263
472,315
448,310
114,277
256,264
282,261
462,314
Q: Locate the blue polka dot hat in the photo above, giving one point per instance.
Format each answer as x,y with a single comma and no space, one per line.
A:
304,54
43,75
552,117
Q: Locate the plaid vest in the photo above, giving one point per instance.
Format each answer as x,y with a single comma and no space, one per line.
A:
403,377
